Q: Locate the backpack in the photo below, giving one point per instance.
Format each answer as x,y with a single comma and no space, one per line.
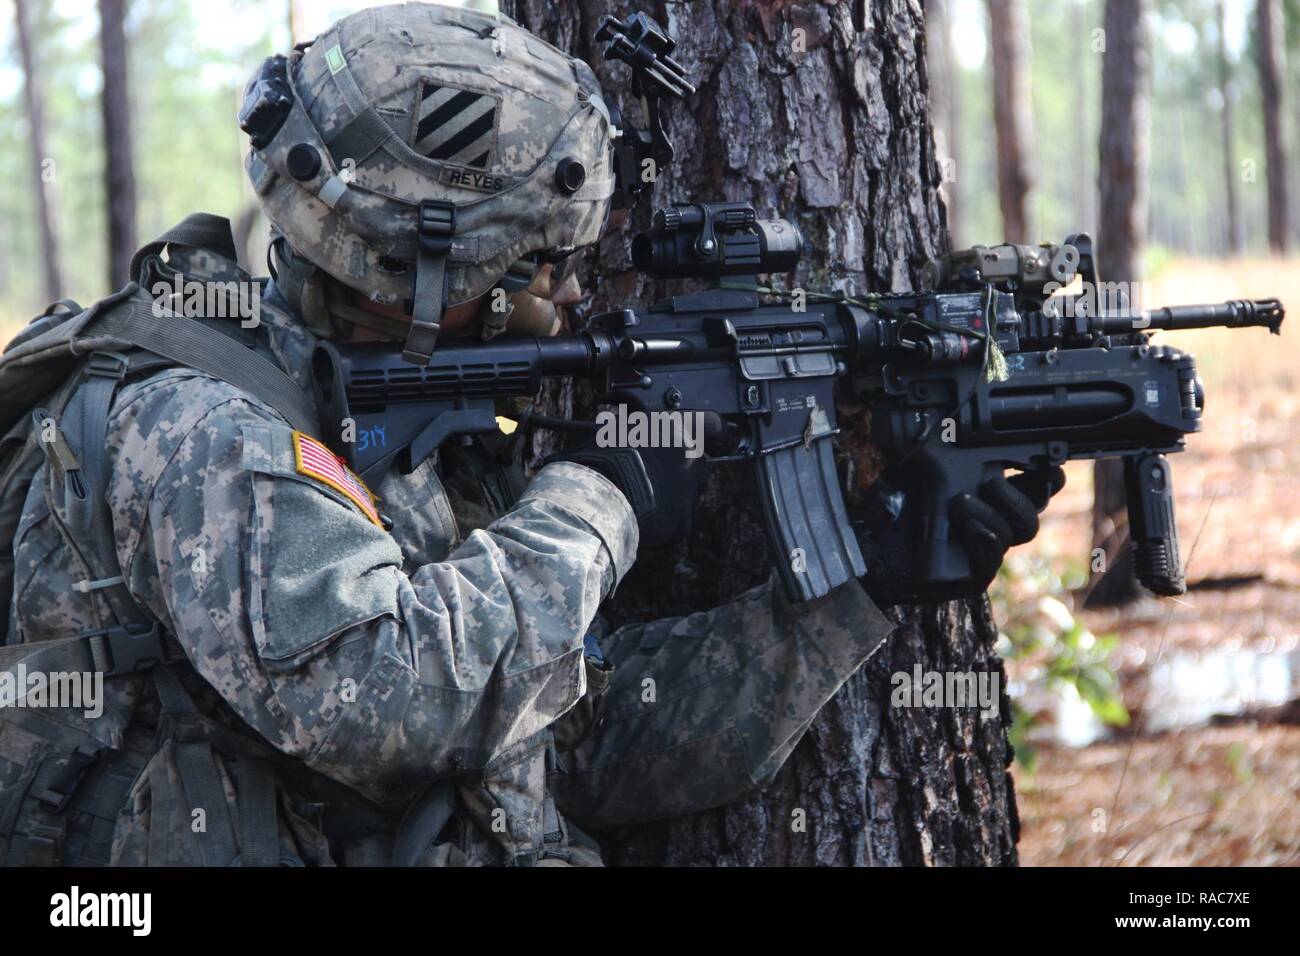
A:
58,378
69,350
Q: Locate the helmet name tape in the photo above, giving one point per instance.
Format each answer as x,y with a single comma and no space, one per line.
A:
473,179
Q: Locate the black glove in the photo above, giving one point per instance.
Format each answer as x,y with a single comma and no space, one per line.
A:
1003,514
661,484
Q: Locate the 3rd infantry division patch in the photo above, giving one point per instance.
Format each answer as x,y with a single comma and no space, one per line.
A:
455,126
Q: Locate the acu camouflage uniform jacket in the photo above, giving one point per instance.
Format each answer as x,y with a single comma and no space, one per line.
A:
376,663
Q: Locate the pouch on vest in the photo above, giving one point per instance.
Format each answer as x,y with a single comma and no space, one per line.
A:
50,814
211,797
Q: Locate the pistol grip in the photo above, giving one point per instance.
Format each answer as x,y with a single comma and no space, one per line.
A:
943,561
1152,527
944,474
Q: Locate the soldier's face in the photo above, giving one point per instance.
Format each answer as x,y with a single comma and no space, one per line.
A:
537,308
535,312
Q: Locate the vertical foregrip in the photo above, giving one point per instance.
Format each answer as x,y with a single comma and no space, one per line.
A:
1152,527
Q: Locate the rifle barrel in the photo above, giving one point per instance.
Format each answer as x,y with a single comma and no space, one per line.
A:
1238,313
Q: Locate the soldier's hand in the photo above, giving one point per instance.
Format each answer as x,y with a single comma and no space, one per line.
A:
661,484
1002,514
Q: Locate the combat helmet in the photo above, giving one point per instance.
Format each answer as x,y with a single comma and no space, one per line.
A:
416,153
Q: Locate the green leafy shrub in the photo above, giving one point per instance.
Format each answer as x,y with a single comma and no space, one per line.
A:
1051,654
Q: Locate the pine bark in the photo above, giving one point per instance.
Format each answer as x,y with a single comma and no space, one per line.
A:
829,127
945,106
43,175
1271,46
1013,117
119,165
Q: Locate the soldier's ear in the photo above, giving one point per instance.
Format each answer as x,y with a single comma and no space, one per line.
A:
461,317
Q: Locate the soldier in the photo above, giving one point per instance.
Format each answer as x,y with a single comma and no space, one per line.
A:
411,675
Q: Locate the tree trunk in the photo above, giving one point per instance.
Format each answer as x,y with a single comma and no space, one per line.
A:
1013,116
828,127
1271,45
119,167
44,184
1124,149
1085,193
944,105
1233,238
1124,158
295,22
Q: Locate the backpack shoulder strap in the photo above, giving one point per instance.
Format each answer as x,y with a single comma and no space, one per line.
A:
203,348
111,651
109,331
143,324
200,230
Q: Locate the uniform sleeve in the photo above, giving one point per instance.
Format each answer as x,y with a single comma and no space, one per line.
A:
293,605
703,710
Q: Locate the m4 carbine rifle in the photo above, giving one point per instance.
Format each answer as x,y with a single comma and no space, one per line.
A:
982,371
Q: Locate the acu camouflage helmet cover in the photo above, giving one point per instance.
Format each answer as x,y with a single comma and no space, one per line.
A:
418,115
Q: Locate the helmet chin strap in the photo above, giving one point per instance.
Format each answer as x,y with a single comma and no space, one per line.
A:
435,225
493,320
387,326
325,306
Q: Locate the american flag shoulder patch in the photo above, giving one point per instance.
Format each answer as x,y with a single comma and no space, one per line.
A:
313,459
453,125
